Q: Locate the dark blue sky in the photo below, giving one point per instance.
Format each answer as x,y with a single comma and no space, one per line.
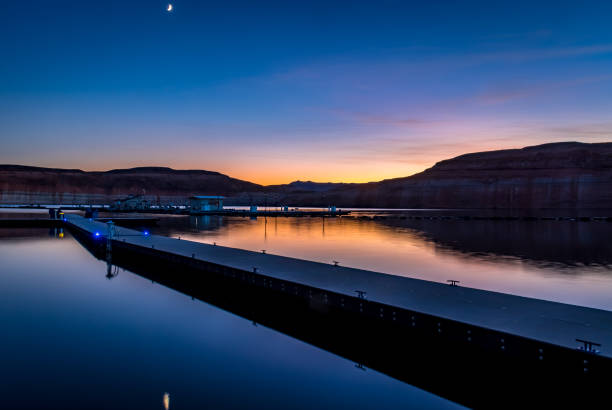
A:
273,92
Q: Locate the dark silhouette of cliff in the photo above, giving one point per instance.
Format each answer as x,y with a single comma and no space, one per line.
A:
23,184
567,175
562,176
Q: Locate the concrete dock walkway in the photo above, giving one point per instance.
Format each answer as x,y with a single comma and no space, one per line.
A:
538,320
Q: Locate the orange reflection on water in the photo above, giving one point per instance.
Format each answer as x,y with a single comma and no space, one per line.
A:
509,257
166,401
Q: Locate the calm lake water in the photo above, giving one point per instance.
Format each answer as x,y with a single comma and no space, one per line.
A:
563,261
74,339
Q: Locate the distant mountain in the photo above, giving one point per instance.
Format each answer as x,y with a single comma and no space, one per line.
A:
307,186
24,184
561,175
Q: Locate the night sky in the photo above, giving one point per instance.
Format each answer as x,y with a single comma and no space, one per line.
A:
274,92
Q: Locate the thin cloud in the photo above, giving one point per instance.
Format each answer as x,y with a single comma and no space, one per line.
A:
405,63
538,34
539,54
390,120
589,130
502,96
367,118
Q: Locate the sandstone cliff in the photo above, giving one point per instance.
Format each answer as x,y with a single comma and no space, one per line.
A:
567,175
22,184
562,175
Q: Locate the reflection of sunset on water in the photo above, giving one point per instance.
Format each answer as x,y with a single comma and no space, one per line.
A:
68,328
550,261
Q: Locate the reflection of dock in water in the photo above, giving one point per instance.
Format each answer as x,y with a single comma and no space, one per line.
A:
418,331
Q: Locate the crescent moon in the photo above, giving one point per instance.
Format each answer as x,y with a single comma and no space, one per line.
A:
169,7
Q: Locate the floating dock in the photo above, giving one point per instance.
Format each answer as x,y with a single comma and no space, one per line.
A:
538,331
237,212
486,218
56,223
126,221
270,213
296,212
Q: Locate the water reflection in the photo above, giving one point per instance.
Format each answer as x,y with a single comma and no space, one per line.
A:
66,328
561,245
205,222
111,270
56,232
166,401
565,261
449,368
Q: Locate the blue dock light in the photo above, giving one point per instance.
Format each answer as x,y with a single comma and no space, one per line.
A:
146,233
97,234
